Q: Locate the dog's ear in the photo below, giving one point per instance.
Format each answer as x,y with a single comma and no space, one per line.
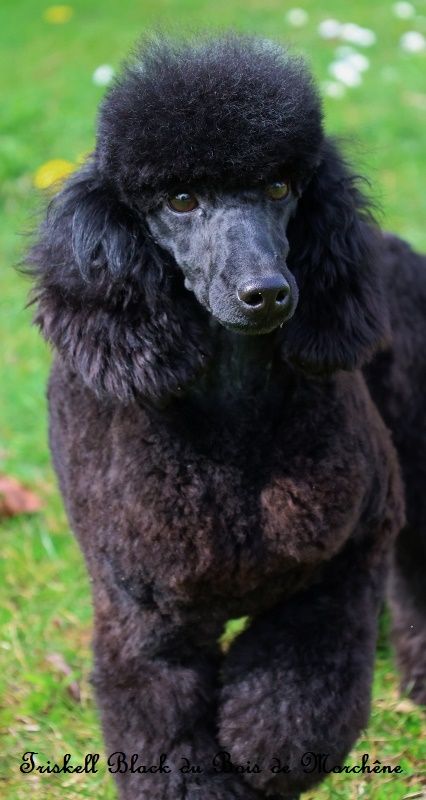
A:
113,305
341,317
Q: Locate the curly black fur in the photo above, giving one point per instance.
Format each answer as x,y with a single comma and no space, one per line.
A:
224,132
209,474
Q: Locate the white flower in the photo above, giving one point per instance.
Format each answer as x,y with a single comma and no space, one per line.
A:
413,42
297,17
329,29
103,75
357,35
333,89
345,72
359,61
403,10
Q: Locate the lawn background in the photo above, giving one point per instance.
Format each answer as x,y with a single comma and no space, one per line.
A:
48,106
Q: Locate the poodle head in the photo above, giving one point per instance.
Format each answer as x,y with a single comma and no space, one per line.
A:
211,192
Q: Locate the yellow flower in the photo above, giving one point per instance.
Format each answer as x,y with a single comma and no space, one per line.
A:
82,157
57,15
52,172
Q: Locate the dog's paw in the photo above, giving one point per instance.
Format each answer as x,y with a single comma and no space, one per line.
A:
220,788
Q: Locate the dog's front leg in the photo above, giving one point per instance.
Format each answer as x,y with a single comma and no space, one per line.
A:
297,683
155,679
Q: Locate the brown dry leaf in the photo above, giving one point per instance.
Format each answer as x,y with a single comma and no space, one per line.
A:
405,707
413,796
30,726
16,499
57,661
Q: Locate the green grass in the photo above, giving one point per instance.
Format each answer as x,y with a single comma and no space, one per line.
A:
47,111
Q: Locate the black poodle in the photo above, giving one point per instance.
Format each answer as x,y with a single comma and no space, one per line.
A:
212,281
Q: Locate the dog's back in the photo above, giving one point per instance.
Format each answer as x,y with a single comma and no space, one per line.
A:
397,378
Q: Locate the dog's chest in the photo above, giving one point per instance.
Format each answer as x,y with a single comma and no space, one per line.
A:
188,506
219,512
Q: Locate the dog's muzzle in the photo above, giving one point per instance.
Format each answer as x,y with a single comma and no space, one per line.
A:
258,305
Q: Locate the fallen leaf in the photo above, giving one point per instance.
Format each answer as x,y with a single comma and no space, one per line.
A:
405,707
413,796
30,726
57,661
16,499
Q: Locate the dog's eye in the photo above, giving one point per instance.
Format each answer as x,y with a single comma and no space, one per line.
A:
277,190
182,201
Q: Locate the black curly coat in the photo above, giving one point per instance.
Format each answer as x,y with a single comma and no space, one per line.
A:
208,474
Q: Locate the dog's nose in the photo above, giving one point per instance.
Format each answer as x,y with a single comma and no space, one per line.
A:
268,294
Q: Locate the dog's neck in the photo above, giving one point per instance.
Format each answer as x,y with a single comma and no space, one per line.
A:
242,375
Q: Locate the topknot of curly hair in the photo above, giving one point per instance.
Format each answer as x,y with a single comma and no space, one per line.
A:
222,111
